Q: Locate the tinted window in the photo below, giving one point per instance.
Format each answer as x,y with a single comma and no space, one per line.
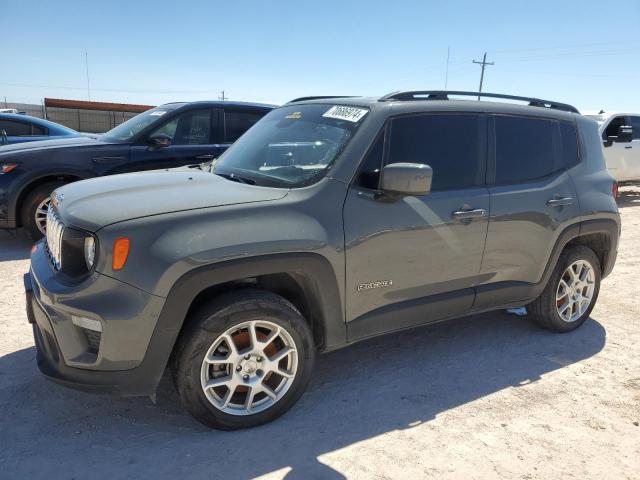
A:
614,125
15,129
569,144
524,148
38,130
635,123
189,128
452,145
369,175
238,122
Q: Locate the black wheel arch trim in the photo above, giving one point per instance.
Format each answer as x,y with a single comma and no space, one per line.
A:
185,290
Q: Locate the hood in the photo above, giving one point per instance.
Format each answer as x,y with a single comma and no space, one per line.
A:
98,202
65,142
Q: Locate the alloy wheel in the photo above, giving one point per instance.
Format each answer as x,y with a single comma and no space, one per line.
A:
575,290
249,368
41,215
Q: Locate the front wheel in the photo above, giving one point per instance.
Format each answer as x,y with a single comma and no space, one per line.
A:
572,291
244,360
35,208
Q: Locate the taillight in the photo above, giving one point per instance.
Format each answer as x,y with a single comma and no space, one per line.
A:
614,190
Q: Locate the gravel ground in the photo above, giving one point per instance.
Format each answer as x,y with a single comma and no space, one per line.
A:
489,396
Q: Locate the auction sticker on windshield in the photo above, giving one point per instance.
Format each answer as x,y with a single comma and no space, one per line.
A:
351,114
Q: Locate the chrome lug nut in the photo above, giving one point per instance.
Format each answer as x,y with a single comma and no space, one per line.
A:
247,356
259,373
238,368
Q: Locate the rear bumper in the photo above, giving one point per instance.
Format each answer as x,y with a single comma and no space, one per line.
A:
125,362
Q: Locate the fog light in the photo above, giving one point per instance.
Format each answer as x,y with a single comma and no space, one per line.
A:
88,323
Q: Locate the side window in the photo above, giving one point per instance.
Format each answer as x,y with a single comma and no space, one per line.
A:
189,128
38,130
614,125
635,123
237,122
452,145
15,129
569,144
524,148
369,174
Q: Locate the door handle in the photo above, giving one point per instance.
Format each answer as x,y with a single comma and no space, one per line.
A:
559,202
628,146
206,156
465,214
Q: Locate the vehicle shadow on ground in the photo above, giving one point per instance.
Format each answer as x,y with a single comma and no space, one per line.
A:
371,388
14,245
629,197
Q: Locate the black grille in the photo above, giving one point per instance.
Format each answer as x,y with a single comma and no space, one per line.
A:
93,339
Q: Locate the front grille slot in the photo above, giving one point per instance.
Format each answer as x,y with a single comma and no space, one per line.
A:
55,229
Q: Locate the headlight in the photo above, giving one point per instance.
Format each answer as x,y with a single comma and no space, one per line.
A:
89,251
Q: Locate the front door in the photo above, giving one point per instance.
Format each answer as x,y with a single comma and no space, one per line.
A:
195,138
415,259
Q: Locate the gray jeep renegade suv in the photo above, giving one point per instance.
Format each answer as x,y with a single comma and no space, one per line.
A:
330,221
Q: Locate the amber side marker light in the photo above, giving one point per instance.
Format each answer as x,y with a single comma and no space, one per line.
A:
120,252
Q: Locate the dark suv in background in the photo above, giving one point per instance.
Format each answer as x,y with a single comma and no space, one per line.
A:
167,136
330,221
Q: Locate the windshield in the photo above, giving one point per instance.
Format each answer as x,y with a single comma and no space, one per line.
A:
129,129
291,146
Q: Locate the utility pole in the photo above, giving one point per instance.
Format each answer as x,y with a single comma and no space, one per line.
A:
446,74
484,63
86,64
222,96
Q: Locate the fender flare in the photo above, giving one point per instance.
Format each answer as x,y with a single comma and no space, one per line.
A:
312,266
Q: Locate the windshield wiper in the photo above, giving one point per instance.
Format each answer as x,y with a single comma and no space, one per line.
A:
235,178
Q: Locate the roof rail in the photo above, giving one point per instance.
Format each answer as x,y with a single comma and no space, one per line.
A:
444,95
318,97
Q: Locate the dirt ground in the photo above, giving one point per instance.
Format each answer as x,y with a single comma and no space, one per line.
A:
489,396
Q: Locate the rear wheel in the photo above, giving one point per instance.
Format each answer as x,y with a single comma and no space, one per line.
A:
35,208
244,360
572,291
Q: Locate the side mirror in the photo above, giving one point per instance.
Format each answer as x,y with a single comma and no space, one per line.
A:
407,179
160,140
624,135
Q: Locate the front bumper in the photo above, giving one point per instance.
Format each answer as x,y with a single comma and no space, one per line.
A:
125,362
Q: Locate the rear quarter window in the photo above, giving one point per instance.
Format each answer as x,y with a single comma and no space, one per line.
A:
569,144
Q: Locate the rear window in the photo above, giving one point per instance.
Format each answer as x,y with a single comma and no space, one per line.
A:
237,122
524,148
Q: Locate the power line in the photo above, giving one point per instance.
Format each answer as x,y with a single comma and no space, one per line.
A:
484,63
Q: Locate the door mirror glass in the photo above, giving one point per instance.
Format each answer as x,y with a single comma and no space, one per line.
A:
407,178
160,140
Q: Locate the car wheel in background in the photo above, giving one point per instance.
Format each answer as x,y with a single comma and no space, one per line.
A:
35,207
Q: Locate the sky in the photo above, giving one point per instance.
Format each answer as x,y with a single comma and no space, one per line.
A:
586,53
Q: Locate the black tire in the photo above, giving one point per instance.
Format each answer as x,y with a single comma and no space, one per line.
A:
30,205
544,309
211,321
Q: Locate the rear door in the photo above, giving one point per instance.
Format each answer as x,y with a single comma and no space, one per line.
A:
196,138
239,120
532,201
417,256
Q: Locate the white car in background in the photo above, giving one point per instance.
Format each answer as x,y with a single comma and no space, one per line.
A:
621,139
